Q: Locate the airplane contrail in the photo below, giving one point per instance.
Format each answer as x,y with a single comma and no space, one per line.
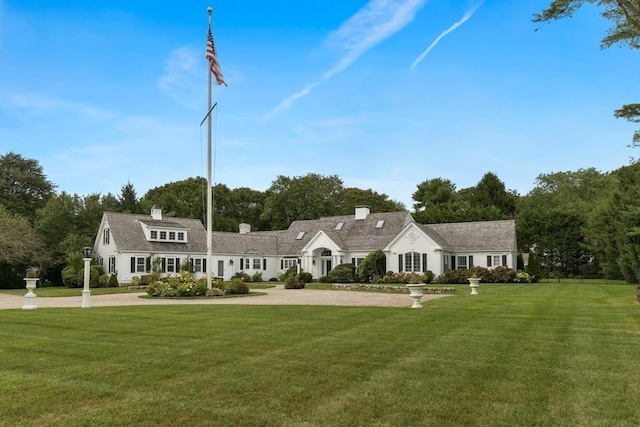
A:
464,19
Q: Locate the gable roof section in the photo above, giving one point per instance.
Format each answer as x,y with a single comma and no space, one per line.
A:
128,235
475,236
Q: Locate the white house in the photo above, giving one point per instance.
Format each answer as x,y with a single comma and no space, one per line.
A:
129,244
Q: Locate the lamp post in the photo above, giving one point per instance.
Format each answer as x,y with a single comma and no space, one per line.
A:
86,293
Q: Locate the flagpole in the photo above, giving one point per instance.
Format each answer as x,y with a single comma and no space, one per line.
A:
209,186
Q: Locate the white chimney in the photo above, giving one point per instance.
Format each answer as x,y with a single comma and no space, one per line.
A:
156,212
362,212
245,228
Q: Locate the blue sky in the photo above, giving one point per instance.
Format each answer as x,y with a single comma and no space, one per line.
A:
383,93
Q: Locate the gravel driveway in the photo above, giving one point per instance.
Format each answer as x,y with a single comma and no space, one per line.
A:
273,296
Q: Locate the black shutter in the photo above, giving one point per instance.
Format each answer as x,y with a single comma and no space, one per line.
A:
264,263
453,262
504,260
204,265
488,260
424,263
164,265
470,261
281,264
353,261
133,264
241,263
400,266
177,265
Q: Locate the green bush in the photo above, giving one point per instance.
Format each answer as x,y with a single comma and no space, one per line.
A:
428,277
372,265
242,276
70,277
294,282
502,275
343,273
257,277
306,277
236,286
522,277
146,279
113,281
104,280
290,272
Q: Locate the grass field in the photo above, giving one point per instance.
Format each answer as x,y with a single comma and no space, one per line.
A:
546,355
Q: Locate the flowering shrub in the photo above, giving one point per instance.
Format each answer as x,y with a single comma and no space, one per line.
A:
182,285
522,277
393,289
405,277
496,275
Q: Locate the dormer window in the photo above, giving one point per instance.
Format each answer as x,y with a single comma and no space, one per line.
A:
154,235
380,223
181,236
163,235
172,235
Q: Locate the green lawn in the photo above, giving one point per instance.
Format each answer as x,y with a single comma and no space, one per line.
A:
546,355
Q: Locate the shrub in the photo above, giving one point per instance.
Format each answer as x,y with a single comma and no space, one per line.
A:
70,276
242,276
94,276
290,272
236,286
306,277
324,279
113,281
273,279
146,279
502,275
257,277
522,277
428,276
294,282
343,273
372,265
103,280
214,292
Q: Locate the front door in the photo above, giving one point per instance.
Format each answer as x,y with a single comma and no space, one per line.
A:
326,266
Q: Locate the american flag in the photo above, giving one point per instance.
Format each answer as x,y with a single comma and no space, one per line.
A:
211,55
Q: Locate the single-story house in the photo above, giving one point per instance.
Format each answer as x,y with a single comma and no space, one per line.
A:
130,245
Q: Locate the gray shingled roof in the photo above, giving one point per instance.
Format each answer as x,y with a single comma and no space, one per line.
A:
128,235
475,236
361,234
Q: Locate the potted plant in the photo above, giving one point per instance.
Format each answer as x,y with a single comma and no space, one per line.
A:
32,275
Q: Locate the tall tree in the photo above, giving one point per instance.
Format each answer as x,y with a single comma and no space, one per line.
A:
491,192
129,202
351,197
303,197
24,188
625,30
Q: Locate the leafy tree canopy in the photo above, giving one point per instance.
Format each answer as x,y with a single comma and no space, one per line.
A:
24,188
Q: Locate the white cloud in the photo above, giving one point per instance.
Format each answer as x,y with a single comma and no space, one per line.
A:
41,103
464,19
182,78
375,22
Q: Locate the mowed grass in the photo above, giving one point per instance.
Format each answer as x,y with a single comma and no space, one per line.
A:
546,355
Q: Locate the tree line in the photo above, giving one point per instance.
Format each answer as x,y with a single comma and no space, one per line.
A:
581,223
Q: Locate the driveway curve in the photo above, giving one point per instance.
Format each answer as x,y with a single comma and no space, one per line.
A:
271,296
